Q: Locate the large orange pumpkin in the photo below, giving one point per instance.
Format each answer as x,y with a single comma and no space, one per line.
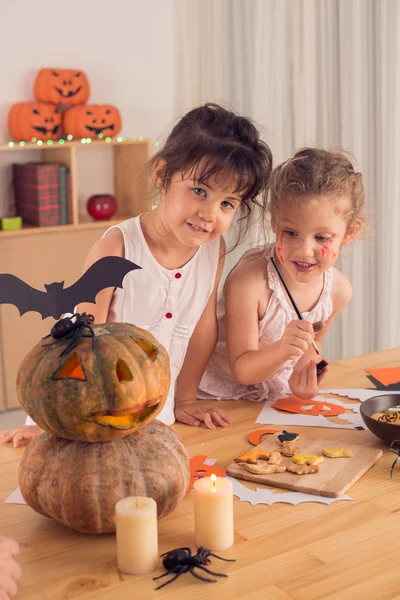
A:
78,484
100,393
62,86
92,120
27,120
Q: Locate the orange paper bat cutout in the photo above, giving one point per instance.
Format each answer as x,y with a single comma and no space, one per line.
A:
387,377
255,436
295,405
198,470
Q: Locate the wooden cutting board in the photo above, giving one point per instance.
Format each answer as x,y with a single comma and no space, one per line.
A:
335,476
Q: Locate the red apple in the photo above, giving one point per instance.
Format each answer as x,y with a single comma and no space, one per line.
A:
102,206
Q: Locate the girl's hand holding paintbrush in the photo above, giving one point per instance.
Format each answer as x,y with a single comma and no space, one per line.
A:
297,338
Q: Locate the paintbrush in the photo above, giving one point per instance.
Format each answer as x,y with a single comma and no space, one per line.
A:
291,300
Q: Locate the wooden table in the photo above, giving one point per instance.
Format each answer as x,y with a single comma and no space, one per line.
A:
344,551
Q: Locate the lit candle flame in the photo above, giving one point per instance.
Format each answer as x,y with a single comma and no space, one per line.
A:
214,483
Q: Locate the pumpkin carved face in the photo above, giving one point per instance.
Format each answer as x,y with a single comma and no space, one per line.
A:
96,394
62,86
92,120
27,120
309,407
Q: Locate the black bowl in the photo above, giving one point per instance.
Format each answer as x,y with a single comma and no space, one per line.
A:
388,432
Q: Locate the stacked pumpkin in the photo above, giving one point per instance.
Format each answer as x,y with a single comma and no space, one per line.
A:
98,405
55,89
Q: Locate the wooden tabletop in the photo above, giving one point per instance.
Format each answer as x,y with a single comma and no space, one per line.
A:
347,550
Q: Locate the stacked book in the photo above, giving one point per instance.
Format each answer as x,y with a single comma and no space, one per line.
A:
42,193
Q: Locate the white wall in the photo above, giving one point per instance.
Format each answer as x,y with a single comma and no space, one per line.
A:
126,47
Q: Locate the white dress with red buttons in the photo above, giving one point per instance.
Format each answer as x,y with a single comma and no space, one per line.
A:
168,303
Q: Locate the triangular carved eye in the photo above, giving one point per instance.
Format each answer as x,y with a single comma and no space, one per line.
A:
123,371
150,349
71,369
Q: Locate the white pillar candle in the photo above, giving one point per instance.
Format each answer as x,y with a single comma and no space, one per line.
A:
137,540
213,512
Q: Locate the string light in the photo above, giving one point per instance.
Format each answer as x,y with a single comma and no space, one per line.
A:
70,138
156,144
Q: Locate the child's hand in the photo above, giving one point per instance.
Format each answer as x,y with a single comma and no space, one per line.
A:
296,339
10,571
194,413
22,435
304,382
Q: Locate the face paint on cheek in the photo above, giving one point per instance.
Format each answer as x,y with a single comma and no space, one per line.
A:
279,249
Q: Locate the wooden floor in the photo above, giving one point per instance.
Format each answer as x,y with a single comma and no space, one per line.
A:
345,551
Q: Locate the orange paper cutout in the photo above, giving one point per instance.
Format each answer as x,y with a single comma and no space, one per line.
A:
295,405
198,470
386,376
255,436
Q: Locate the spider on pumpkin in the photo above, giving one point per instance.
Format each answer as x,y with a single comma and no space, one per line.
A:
181,561
67,329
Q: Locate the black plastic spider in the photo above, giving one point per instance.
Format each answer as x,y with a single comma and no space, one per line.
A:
67,329
181,560
394,443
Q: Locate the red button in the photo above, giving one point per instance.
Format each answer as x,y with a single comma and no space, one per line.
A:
169,315
178,275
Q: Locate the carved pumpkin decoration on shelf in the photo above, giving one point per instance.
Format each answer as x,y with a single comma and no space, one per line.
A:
78,484
27,120
92,120
105,388
62,86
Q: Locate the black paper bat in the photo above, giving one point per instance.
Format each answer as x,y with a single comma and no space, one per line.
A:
55,301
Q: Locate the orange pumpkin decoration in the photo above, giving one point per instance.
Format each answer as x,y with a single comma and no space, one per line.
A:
295,405
27,120
62,86
92,120
78,484
198,469
96,393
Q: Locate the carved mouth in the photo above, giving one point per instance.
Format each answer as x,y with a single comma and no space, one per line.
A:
69,94
45,130
98,130
126,420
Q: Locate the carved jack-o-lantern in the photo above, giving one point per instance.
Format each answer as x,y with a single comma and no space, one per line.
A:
92,120
309,407
99,393
62,86
27,120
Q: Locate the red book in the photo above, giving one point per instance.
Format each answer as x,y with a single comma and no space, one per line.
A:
36,193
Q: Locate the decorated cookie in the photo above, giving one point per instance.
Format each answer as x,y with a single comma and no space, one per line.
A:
287,436
337,453
252,456
307,459
389,416
302,469
262,467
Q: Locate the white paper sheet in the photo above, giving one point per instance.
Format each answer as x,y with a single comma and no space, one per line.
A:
350,420
266,496
15,498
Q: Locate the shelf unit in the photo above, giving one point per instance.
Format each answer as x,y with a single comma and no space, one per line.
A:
40,255
131,183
